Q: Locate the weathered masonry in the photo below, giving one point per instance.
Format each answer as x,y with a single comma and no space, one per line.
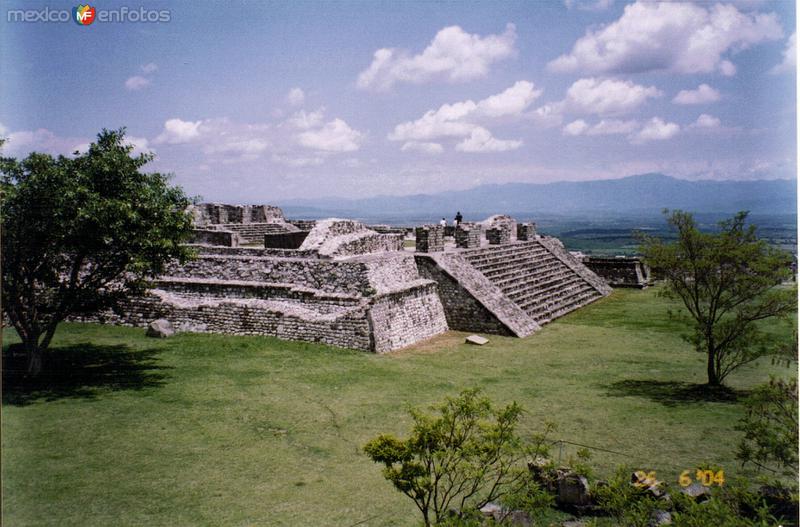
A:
341,283
620,271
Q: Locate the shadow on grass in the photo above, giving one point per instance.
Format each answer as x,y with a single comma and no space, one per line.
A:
673,393
82,370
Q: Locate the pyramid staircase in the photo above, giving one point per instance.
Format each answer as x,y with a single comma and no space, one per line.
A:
539,276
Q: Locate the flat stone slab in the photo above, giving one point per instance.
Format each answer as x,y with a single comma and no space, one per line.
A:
477,340
160,328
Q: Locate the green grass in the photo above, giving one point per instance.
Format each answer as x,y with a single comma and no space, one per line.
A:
217,430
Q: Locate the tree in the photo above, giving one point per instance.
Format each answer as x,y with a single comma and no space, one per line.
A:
770,427
728,281
80,234
462,458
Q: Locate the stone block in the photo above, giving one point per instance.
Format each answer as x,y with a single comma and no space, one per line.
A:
498,236
526,231
468,236
477,340
160,328
430,238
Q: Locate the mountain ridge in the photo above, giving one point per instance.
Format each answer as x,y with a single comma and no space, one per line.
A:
650,192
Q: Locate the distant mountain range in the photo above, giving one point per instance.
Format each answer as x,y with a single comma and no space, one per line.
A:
642,194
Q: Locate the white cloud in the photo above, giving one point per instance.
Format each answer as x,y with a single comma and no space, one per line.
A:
137,82
575,127
249,147
22,142
334,136
548,115
460,119
612,127
706,121
702,95
150,67
789,62
604,127
447,121
177,131
296,97
674,36
589,5
655,130
304,120
481,141
140,144
727,68
512,101
453,55
607,96
424,147
297,162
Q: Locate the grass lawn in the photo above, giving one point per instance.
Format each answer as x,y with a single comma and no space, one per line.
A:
217,430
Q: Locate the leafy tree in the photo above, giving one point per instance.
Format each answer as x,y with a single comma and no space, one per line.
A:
771,428
81,233
727,280
462,458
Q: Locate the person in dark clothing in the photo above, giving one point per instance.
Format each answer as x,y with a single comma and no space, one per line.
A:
459,218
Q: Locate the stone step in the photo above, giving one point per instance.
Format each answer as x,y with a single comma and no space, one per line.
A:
547,313
498,250
211,287
554,297
535,280
506,264
525,278
513,274
520,296
517,254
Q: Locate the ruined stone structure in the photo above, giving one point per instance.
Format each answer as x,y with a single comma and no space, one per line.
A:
468,235
510,289
250,222
430,238
620,271
342,283
526,231
346,286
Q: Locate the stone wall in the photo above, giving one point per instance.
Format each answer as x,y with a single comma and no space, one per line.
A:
303,225
506,224
620,272
558,250
347,328
325,275
471,302
498,235
468,236
257,251
430,238
286,240
372,303
526,231
338,238
214,237
221,213
405,317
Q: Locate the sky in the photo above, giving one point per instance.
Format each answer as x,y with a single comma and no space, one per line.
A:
257,101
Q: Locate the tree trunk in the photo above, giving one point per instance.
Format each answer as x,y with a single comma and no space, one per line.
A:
713,374
35,356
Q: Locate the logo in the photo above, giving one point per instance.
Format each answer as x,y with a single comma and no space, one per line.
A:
83,14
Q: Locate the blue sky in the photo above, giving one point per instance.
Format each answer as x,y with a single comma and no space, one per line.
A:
260,101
